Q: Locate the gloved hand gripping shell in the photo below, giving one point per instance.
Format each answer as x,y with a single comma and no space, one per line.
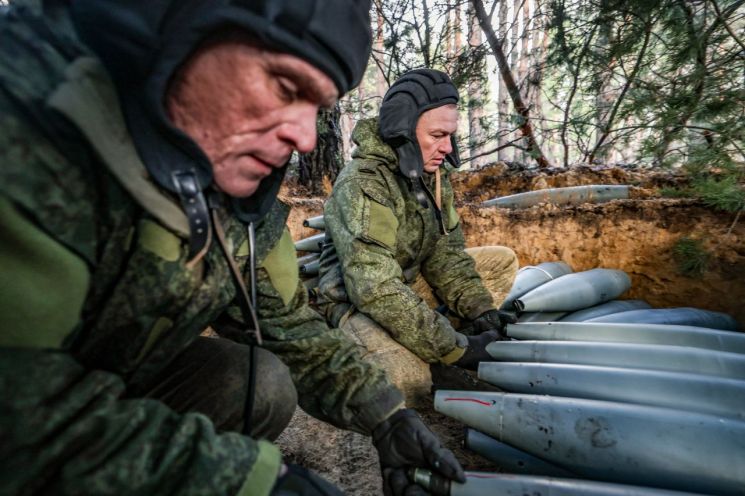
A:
403,441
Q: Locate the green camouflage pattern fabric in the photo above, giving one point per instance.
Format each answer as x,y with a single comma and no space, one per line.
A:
382,239
66,422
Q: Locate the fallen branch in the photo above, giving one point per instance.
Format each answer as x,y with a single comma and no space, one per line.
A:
504,70
496,149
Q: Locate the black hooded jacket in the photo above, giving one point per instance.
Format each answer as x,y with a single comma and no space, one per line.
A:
102,296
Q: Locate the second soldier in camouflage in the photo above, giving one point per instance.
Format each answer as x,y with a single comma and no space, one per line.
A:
395,245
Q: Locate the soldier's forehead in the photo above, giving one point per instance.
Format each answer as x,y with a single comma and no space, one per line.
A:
445,117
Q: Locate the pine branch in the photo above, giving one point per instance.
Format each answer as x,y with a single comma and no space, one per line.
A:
572,92
726,25
496,149
629,81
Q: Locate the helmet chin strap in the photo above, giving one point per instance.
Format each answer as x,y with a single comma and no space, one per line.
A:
195,207
417,185
247,304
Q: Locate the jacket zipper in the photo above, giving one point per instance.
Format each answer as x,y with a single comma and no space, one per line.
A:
438,212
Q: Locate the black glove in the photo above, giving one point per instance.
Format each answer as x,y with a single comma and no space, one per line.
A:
403,441
476,351
299,481
493,320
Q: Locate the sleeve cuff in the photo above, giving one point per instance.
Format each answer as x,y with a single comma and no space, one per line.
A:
461,344
263,474
453,356
381,407
479,309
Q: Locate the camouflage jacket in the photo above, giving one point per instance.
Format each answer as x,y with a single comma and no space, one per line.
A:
96,295
382,238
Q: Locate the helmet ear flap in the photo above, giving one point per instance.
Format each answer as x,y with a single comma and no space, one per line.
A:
454,156
410,161
397,118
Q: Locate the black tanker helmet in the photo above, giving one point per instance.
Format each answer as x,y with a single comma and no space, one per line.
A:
405,101
143,42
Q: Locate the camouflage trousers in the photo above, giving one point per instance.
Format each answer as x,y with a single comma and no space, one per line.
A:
497,266
211,377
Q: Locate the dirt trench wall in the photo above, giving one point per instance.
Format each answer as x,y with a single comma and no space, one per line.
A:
302,208
636,236
501,180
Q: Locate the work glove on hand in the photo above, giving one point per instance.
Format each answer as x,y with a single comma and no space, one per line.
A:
403,441
476,350
299,481
493,320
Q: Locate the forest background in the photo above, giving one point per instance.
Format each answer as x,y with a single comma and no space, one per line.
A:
562,83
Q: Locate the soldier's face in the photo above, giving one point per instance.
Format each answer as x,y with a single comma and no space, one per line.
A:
433,132
248,108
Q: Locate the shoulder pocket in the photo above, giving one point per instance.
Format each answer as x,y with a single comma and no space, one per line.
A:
382,224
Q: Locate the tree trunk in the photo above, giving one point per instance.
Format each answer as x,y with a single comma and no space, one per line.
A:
449,55
605,95
514,52
538,53
458,27
426,42
503,105
520,67
476,95
540,41
454,32
346,125
524,58
522,110
381,85
319,168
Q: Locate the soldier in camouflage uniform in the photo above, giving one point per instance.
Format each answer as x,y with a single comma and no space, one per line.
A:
391,241
143,144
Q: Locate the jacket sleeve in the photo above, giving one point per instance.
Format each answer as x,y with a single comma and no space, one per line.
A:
362,223
334,383
66,429
452,274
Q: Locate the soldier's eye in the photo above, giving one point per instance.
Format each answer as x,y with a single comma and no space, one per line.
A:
287,88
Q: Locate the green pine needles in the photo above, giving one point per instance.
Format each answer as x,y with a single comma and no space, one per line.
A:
723,194
691,257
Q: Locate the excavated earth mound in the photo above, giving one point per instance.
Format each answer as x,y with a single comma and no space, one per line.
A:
637,235
501,180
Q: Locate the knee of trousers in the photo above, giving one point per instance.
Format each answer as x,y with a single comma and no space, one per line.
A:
494,257
275,398
497,266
